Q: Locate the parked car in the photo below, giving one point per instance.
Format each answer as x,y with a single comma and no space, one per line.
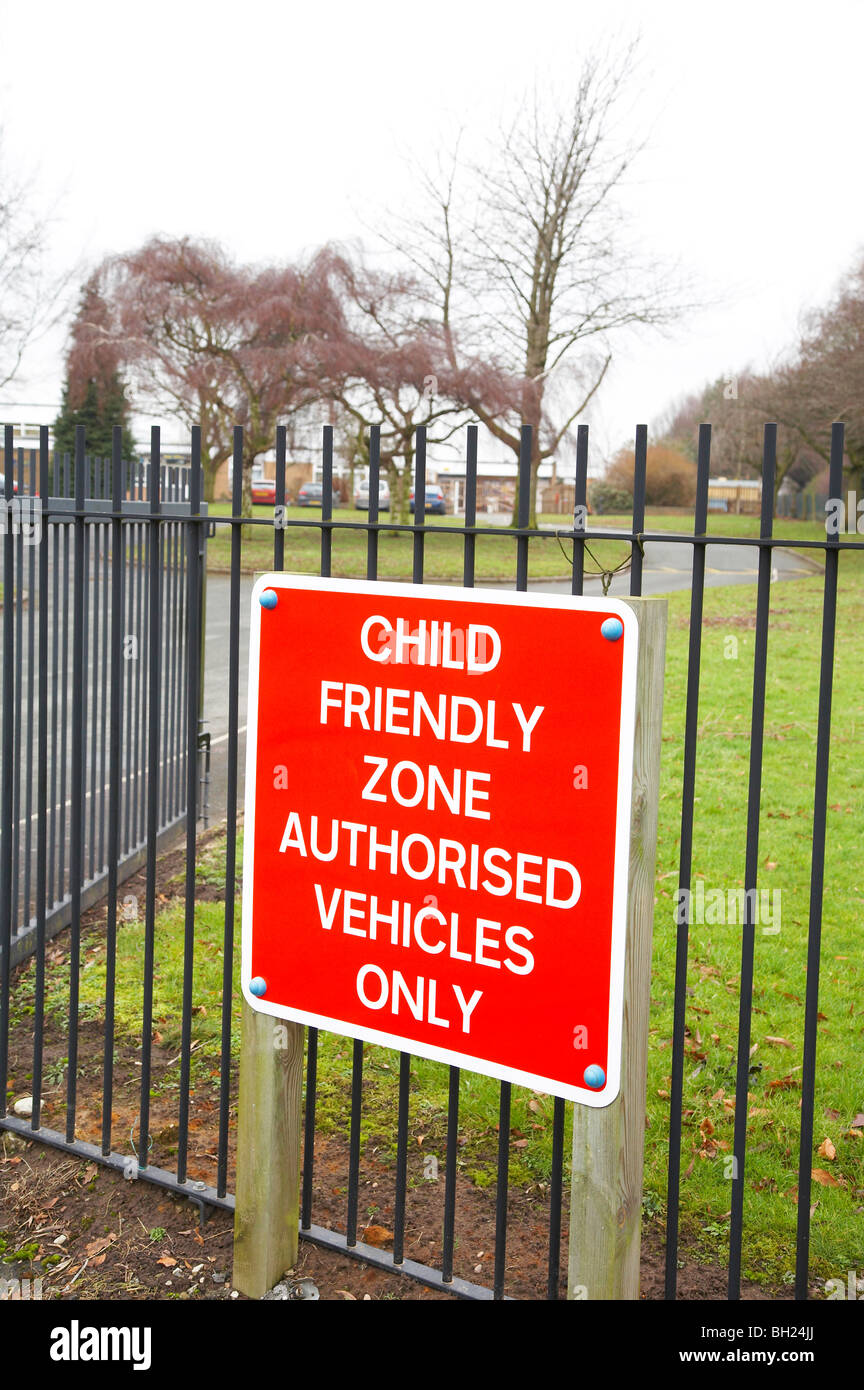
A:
310,495
264,490
435,502
361,497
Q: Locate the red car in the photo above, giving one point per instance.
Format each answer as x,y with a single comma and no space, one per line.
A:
264,490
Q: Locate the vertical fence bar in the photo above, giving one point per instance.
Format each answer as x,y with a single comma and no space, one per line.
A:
502,1186
41,788
279,509
524,508
6,798
64,712
354,1138
470,541
54,540
374,484
449,1239
154,667
817,875
31,700
751,870
193,657
401,1155
580,509
419,503
17,598
114,780
641,463
107,529
556,1186
231,808
327,502
676,1087
76,817
94,532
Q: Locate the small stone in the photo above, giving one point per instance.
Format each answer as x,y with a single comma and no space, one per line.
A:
278,1293
24,1107
218,1278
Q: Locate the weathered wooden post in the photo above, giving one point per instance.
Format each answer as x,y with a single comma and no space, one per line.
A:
608,1143
266,1214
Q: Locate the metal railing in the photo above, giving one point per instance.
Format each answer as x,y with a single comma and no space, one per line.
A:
149,776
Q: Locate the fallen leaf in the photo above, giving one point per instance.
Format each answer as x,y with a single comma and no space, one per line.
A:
343,1293
520,1143
779,1042
854,1134
858,1121
167,1260
377,1235
96,1246
706,1128
664,1095
827,1150
820,1175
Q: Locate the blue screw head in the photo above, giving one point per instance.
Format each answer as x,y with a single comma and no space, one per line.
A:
595,1077
268,598
612,628
258,986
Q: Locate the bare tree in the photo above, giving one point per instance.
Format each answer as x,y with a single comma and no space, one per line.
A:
391,368
31,299
539,279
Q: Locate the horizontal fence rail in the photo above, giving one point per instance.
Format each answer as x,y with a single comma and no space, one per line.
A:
99,763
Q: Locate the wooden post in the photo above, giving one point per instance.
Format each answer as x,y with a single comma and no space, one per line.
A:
608,1143
267,1208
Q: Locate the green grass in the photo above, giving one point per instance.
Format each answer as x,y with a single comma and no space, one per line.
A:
714,957
495,557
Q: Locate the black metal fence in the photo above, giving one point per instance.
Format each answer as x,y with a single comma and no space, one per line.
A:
84,714
69,583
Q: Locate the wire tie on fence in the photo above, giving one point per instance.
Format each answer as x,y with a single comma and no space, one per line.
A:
132,1139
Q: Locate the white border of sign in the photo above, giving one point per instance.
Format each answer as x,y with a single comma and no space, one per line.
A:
611,608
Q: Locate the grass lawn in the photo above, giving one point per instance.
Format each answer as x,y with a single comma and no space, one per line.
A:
714,958
495,553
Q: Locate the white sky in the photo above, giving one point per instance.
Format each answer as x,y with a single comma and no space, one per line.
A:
273,127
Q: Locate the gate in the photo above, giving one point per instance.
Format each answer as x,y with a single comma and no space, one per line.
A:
126,731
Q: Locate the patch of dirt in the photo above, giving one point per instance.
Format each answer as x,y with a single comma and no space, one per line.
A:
91,1234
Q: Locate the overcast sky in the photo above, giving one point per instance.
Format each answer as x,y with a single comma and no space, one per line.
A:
274,127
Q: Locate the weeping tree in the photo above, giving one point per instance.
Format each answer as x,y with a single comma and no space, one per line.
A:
217,344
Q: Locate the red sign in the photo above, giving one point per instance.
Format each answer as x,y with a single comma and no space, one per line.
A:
437,823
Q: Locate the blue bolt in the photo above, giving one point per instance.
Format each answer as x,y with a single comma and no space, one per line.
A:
612,628
268,598
595,1077
258,986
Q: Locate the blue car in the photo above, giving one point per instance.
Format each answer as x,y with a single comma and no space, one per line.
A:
435,502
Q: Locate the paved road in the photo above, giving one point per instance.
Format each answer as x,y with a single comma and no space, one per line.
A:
667,568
